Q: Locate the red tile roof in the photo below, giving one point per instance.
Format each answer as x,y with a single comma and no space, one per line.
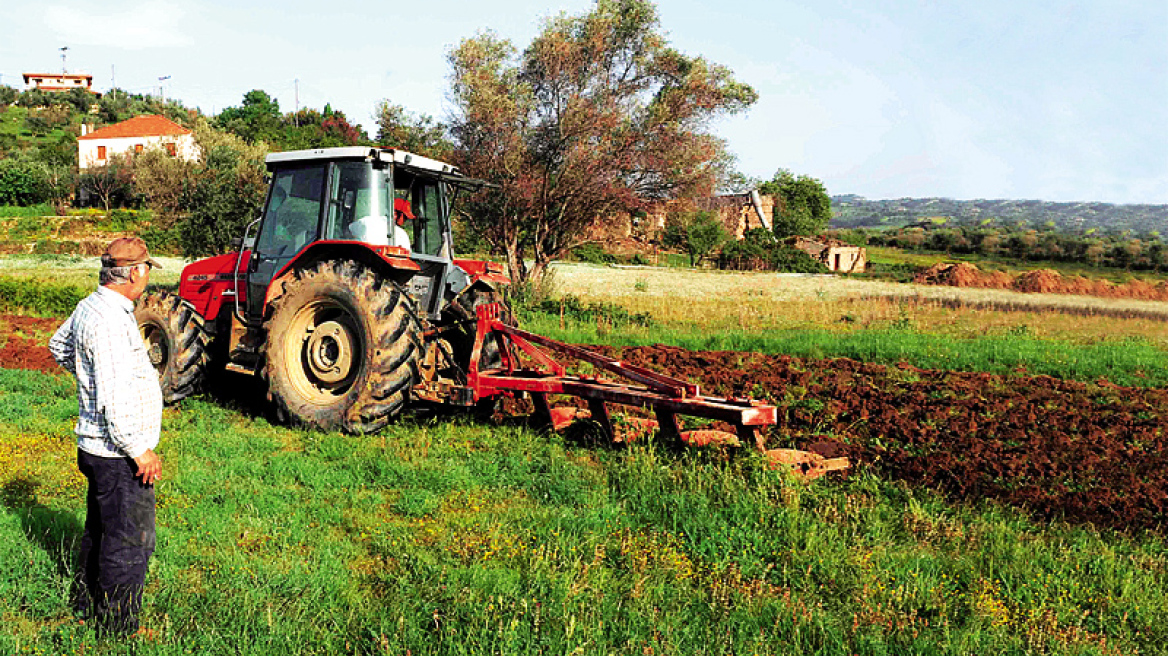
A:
82,76
147,125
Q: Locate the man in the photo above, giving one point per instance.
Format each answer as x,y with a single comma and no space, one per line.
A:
401,212
119,416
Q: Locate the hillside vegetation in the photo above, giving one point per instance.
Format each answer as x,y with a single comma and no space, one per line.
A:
851,211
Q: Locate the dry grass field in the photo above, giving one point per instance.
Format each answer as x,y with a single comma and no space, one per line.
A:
763,302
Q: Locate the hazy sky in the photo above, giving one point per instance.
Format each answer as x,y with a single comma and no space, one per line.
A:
964,98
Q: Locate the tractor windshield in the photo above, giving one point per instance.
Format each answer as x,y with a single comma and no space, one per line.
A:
293,210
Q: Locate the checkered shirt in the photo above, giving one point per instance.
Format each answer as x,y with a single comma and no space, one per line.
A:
118,396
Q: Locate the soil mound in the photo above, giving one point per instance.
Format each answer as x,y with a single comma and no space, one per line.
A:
1040,281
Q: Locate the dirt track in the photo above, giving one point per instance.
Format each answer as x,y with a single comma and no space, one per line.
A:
1085,452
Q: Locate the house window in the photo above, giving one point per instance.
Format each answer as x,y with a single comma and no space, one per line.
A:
101,152
170,149
137,149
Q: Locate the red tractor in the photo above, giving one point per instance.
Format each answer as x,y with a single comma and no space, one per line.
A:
350,315
345,313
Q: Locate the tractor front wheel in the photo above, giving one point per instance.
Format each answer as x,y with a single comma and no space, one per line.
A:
175,341
342,348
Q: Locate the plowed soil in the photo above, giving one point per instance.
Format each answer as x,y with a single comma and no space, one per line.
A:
23,340
1083,452
1062,450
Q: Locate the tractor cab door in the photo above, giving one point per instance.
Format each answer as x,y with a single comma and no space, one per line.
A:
429,237
291,219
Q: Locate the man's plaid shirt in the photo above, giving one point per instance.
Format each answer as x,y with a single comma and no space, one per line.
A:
119,399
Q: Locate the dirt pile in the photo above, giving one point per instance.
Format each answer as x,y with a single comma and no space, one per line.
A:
1040,281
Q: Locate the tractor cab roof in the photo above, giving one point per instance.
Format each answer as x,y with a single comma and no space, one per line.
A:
398,158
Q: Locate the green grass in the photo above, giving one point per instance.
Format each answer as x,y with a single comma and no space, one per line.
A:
37,297
445,536
52,271
923,259
35,211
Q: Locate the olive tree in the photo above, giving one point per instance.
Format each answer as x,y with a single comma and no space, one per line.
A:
802,206
597,115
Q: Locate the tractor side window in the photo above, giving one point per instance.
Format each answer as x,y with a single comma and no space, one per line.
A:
429,235
293,211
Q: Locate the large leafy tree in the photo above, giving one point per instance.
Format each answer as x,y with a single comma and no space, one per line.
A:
598,114
802,206
257,119
397,127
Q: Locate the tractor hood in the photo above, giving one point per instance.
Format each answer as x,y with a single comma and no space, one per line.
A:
204,283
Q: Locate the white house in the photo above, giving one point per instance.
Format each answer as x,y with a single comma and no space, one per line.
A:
134,136
54,82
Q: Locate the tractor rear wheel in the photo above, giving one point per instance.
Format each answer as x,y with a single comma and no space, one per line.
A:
175,341
342,348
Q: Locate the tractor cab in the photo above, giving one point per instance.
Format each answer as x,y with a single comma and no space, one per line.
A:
396,202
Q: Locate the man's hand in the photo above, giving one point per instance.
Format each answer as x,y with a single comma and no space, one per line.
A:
149,467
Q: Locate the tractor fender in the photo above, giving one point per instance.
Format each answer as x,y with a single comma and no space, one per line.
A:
391,261
489,273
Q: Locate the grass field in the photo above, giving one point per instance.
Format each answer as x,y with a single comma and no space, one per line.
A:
441,535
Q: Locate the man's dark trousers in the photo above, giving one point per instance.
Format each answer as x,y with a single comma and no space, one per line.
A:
117,544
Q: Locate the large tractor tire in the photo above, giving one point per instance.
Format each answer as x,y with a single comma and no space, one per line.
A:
342,348
175,341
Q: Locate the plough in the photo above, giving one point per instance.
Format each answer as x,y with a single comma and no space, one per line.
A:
667,396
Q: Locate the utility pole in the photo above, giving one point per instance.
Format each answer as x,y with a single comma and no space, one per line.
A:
161,91
64,69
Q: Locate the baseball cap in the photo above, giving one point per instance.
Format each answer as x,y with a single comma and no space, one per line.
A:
127,251
403,206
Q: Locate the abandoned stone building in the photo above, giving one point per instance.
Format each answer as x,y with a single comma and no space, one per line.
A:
737,213
832,253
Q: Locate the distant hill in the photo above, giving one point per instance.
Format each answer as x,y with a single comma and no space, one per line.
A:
852,211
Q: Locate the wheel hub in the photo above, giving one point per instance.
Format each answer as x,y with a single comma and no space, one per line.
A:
155,346
330,352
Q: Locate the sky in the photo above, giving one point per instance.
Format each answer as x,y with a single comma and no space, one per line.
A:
1057,101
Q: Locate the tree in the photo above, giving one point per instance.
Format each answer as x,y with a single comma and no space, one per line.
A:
802,206
697,233
597,115
164,181
8,95
226,192
257,119
112,183
421,134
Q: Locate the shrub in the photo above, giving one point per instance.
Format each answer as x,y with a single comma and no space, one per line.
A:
758,250
570,306
592,253
23,182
